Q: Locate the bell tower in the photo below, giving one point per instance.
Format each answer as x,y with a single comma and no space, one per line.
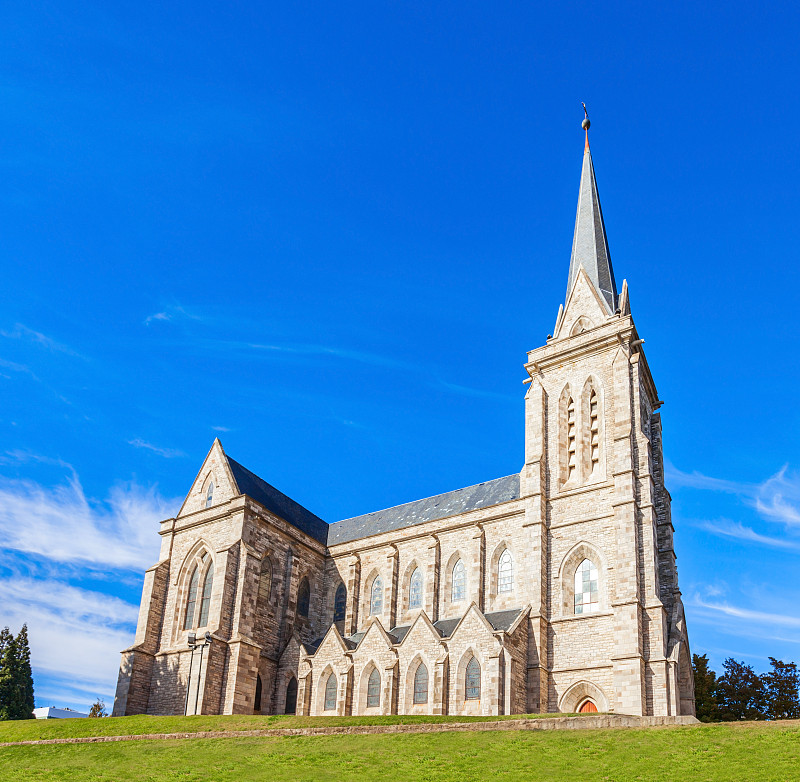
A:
607,615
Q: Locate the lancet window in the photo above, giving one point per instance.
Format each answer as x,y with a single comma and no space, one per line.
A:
210,494
459,590
421,684
330,693
472,683
376,597
587,591
505,573
415,589
205,602
374,689
340,603
303,598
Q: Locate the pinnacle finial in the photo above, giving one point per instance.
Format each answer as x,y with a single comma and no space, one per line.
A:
586,124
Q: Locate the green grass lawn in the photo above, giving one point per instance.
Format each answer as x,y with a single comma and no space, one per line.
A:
26,730
738,752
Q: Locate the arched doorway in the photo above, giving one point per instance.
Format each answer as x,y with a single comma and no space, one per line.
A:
291,697
587,707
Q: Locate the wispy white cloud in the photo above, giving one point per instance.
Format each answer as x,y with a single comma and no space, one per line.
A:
775,499
20,331
220,428
75,634
173,312
14,367
60,524
738,531
762,618
167,453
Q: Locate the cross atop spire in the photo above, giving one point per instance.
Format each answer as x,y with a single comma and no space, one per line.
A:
590,245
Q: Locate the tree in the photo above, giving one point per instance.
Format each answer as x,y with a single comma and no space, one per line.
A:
781,685
16,677
98,709
740,693
705,689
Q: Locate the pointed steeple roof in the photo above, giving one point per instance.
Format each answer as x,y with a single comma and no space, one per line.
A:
590,245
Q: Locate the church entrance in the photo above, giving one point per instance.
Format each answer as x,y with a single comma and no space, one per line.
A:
291,697
587,707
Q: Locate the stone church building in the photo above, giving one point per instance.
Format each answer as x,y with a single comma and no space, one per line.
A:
551,590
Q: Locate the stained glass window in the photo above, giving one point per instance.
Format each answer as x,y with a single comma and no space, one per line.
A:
303,597
505,573
376,597
459,591
265,581
374,689
415,590
188,622
587,593
340,603
473,680
205,603
421,684
330,693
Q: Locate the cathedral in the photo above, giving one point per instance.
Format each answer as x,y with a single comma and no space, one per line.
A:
551,590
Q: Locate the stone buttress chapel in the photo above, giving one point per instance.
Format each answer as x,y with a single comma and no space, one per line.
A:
551,590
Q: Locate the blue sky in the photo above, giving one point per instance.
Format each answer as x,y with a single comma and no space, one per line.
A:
328,235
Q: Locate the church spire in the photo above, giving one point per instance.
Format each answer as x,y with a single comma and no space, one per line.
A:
589,245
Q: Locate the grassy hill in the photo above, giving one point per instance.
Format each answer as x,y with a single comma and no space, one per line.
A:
757,751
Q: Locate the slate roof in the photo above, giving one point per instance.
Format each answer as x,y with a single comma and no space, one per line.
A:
589,243
482,495
502,620
277,502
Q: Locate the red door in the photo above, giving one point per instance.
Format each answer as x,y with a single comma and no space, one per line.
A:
587,707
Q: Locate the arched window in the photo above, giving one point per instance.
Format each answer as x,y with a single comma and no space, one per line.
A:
376,597
587,592
415,589
205,603
257,701
572,462
188,622
472,683
291,697
421,684
265,581
303,597
330,693
340,603
505,573
374,689
594,432
459,591
210,494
